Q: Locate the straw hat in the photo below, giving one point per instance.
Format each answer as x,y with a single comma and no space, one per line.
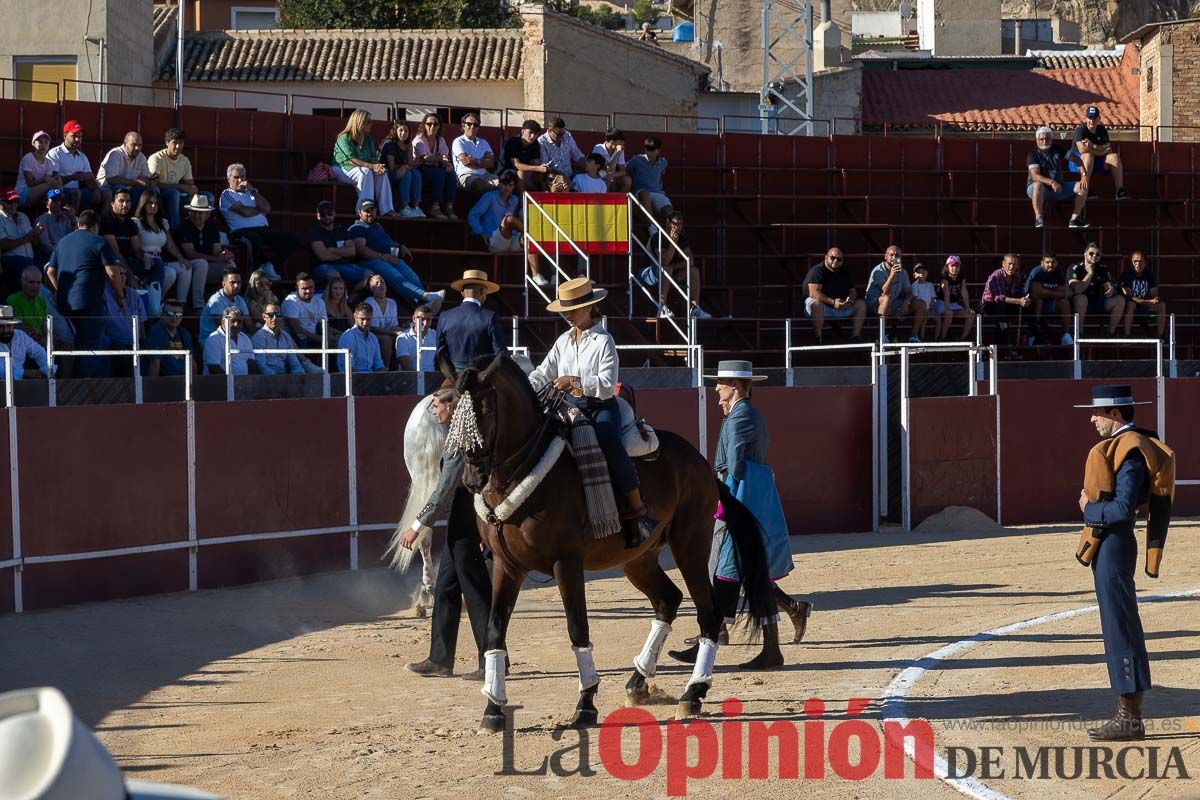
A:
199,202
7,317
577,293
475,276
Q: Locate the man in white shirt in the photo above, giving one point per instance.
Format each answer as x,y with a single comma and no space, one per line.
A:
303,312
241,362
126,166
245,212
21,347
75,170
474,160
559,150
406,342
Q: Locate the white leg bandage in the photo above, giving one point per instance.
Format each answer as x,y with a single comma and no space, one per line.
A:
647,660
705,658
587,667
493,677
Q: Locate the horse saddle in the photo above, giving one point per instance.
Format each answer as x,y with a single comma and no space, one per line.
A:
639,438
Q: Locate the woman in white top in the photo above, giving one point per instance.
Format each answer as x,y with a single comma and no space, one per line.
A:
154,232
37,174
385,322
583,363
612,149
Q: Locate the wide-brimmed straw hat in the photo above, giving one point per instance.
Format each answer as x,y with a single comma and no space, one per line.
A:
46,753
199,202
7,317
576,293
736,370
476,277
1113,397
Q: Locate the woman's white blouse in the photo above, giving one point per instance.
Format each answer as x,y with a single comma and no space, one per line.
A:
593,359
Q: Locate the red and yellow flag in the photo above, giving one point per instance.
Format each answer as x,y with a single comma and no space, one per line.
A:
597,223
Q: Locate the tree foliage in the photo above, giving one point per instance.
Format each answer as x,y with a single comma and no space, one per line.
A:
366,14
644,12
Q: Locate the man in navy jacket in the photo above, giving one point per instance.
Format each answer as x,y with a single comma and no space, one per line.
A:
469,330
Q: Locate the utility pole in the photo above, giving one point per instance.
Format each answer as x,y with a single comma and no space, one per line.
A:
787,84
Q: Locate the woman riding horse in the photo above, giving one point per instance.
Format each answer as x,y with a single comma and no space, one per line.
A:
583,363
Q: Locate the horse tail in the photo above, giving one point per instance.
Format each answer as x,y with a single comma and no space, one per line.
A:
741,525
423,440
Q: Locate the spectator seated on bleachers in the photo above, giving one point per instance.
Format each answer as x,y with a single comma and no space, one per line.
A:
221,301
889,292
496,219
72,165
646,175
245,213
365,355
954,300
1047,286
612,150
17,236
167,334
36,173
1139,284
1093,291
21,347
431,154
406,342
121,232
356,162
385,317
57,222
1046,181
925,292
474,161
173,172
338,310
676,264
126,167
258,296
378,253
272,336
186,275
1005,300
241,362
332,251
123,309
397,155
559,151
32,304
1092,153
199,238
304,312
589,181
831,295
523,154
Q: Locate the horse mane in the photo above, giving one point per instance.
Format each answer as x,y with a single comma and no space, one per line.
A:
502,367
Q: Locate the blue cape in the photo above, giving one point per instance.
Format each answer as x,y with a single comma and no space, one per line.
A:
757,492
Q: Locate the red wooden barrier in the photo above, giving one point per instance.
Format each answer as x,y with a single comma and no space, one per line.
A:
5,499
1183,400
382,478
952,455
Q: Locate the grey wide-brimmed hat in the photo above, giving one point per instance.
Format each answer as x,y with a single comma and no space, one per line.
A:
1113,397
736,370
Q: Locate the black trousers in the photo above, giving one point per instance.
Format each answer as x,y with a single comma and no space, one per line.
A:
462,574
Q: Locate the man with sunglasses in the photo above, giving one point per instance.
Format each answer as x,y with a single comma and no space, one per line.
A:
272,336
646,171
831,294
1092,290
167,334
474,160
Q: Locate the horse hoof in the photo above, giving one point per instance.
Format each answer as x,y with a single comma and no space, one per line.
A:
492,723
637,697
688,708
585,718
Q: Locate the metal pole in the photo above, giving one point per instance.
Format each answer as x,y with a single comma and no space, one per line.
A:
14,489
972,383
702,420
1077,368
874,439
787,353
51,383
228,362
324,329
420,368
137,361
1161,387
905,505
1171,339
629,277
179,58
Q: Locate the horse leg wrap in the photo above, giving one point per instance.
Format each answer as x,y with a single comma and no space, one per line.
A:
647,660
587,667
493,677
705,658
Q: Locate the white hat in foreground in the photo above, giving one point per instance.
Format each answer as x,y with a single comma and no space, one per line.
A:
46,753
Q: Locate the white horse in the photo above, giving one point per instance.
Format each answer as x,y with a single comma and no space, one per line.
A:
423,439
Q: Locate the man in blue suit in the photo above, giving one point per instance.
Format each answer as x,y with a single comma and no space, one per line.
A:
469,330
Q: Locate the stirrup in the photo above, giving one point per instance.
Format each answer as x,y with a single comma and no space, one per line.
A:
638,530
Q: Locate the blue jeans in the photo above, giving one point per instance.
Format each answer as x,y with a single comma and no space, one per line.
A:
407,189
399,278
606,419
443,185
351,273
89,335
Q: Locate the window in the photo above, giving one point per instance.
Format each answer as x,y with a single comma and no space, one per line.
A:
250,18
33,75
1150,78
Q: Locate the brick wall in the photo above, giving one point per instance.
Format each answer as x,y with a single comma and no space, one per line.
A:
1150,86
1185,106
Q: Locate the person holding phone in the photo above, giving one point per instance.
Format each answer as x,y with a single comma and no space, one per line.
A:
889,292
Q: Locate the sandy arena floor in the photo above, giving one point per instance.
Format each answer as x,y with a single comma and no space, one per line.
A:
298,688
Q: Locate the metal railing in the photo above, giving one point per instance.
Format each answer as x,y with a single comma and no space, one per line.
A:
1159,372
662,311
560,236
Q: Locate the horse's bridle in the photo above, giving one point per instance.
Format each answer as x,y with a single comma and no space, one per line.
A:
524,458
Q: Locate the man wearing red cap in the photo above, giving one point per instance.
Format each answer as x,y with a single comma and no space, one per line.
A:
16,242
74,168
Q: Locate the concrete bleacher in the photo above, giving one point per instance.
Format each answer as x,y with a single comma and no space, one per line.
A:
760,210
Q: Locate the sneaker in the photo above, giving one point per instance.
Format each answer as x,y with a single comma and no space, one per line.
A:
914,340
1040,222
700,313
540,280
1122,194
1077,222
268,269
1067,340
664,312
436,213
407,213
417,213
434,301
450,212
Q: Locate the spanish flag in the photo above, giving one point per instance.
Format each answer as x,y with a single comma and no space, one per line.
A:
597,223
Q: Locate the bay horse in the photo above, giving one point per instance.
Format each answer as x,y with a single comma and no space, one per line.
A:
548,533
